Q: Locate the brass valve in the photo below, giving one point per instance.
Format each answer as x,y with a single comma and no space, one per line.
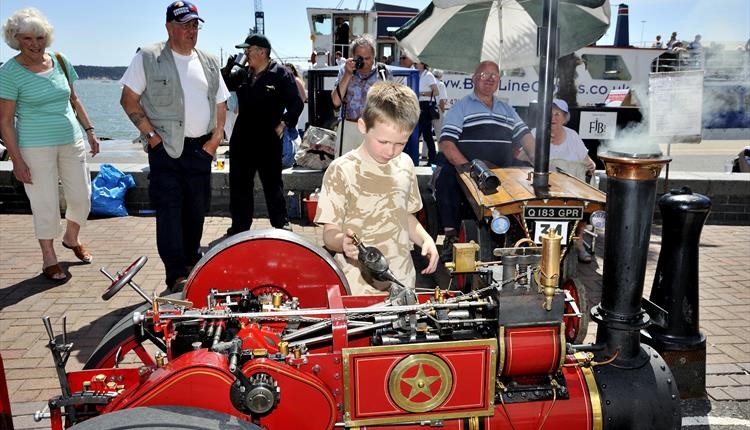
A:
464,258
549,278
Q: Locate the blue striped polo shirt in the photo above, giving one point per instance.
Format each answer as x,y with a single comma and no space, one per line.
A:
485,134
44,116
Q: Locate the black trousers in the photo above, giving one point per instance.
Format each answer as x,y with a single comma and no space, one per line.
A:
180,192
248,156
448,195
425,128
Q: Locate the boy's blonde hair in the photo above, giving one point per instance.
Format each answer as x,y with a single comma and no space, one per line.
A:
391,103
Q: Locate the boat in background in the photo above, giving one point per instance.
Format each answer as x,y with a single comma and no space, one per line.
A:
600,69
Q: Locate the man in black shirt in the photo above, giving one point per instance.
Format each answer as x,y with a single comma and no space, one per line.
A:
268,102
341,38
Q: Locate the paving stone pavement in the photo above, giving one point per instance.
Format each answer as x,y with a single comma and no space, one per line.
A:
26,296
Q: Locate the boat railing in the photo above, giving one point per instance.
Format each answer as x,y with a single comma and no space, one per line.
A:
718,65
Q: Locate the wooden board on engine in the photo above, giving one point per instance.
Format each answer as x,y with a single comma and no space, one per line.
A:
515,191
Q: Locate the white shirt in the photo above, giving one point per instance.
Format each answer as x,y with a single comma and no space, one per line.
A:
426,81
442,91
194,89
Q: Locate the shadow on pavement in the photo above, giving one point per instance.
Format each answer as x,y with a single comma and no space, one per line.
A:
33,286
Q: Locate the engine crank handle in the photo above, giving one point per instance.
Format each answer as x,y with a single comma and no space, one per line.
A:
132,284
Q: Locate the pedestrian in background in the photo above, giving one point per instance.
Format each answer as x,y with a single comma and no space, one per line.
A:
442,100
40,121
174,94
428,92
658,43
269,103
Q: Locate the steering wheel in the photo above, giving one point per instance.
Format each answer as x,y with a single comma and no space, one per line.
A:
125,277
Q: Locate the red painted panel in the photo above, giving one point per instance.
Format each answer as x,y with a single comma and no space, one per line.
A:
371,368
531,350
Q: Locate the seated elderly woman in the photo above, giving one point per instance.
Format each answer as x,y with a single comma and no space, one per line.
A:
567,151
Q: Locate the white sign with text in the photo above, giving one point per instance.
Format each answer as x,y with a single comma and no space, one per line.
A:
598,125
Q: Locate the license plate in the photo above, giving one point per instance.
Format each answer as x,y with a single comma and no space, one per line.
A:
542,227
553,212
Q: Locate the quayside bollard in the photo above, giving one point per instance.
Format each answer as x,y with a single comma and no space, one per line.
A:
675,289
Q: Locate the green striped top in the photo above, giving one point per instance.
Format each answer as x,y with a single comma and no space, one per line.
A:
44,116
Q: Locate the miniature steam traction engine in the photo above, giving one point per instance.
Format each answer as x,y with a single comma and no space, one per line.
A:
265,336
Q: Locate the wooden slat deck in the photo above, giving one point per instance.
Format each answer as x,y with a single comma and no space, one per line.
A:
515,191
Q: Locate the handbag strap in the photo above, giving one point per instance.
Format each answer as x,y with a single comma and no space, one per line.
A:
65,72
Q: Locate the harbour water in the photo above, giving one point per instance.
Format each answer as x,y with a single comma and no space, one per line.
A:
102,101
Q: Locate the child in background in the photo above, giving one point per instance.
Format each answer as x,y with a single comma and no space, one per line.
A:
373,192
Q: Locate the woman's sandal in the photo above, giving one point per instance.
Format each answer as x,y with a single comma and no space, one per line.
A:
55,269
81,252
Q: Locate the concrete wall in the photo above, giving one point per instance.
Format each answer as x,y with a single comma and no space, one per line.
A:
729,192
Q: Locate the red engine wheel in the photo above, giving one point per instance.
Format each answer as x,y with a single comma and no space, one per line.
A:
576,327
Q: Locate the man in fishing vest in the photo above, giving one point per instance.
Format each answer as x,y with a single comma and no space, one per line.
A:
175,96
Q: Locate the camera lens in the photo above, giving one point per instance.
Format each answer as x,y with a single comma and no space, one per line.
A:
359,62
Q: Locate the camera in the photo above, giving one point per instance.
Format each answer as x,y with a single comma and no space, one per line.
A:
359,62
239,59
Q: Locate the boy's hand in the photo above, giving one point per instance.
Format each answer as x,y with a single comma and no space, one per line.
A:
429,250
350,249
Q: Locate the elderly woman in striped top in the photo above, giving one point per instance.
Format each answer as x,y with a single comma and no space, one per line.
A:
40,121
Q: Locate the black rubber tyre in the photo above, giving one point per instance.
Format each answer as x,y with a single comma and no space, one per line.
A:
123,334
576,328
165,418
480,234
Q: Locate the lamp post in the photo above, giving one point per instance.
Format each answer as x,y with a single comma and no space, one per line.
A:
643,25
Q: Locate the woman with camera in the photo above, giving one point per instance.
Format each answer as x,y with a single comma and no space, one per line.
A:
428,91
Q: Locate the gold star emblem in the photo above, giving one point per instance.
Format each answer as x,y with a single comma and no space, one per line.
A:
421,383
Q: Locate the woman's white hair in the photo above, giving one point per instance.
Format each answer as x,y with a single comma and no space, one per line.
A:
28,20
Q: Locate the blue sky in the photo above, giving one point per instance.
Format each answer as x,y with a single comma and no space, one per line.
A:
107,33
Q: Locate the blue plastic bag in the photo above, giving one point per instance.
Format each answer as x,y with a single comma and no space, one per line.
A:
108,191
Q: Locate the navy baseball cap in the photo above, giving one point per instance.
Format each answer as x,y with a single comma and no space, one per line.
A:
182,11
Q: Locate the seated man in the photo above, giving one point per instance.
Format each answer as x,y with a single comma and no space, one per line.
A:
478,126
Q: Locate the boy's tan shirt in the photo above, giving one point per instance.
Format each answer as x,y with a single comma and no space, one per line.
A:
374,201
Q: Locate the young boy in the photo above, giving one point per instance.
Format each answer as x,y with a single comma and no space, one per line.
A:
372,191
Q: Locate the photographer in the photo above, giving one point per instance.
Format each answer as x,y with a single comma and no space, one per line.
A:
355,78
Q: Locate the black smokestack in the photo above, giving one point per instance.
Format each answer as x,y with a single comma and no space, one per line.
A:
631,197
622,35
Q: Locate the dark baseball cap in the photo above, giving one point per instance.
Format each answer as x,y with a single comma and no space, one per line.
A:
182,11
257,39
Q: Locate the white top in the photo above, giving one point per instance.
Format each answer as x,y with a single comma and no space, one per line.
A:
426,81
194,88
442,92
571,150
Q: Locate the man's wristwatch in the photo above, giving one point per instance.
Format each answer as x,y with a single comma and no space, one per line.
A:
151,134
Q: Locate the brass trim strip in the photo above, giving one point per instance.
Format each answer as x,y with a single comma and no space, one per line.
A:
501,350
562,346
595,399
